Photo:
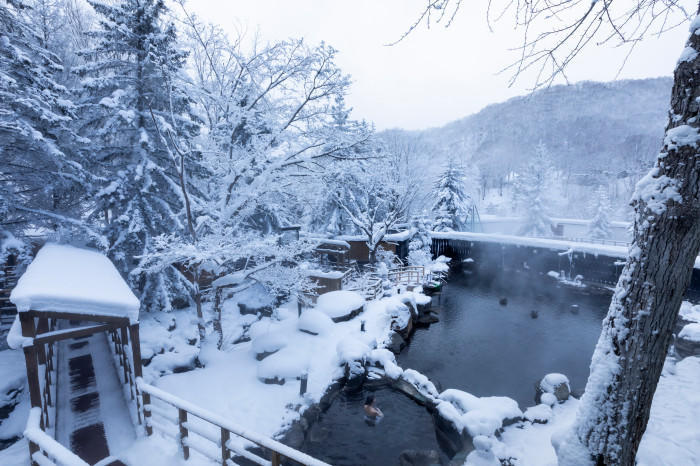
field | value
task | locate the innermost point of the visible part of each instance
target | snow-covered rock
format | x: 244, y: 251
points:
x: 314, y: 322
x: 341, y: 305
x: 688, y: 341
x: 387, y: 361
x: 540, y: 413
x: 554, y: 383
x: 268, y: 343
x: 482, y: 454
x: 285, y: 364
x: 477, y: 416
x: 352, y: 349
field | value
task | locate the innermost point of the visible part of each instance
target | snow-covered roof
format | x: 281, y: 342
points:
x: 68, y: 279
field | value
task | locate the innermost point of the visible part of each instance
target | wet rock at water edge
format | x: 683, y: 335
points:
x: 554, y: 384
x: 503, y: 301
x: 428, y: 318
x: 687, y: 343
x: 574, y: 309
x: 419, y: 458
x: 396, y: 343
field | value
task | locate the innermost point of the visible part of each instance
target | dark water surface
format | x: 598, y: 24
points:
x: 479, y: 346
x: 343, y: 437
x: 485, y: 348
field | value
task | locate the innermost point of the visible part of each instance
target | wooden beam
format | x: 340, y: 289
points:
x: 136, y: 349
x: 119, y: 321
x: 32, y: 376
x: 67, y: 334
x: 26, y: 320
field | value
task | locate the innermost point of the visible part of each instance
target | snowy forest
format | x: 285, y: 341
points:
x: 195, y: 222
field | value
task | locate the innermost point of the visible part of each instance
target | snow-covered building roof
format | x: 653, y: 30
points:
x: 73, y: 280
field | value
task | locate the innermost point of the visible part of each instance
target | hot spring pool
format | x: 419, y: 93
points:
x: 479, y: 346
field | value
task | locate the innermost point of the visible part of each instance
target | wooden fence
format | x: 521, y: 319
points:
x: 209, y: 434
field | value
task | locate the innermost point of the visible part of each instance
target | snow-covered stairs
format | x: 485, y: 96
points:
x: 92, y: 418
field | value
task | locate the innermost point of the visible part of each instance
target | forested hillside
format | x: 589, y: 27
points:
x: 585, y: 130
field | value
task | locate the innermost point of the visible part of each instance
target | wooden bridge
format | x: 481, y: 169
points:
x: 79, y: 332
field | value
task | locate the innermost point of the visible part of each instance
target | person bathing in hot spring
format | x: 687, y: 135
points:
x: 371, y: 410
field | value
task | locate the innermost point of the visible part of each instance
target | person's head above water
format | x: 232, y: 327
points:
x: 370, y: 400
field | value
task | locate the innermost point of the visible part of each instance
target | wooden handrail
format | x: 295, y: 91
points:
x: 43, y: 447
x: 226, y: 428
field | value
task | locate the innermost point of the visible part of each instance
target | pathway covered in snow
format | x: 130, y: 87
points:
x: 92, y: 417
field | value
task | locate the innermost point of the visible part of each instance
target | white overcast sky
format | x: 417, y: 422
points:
x: 434, y: 76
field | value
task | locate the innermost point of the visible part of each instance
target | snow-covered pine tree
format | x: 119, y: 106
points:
x: 130, y: 80
x: 452, y: 204
x: 528, y: 194
x: 42, y: 175
x: 419, y: 246
x: 599, y: 228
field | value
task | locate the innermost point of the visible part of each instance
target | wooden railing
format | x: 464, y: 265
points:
x: 44, y: 450
x: 209, y: 434
x: 121, y: 350
x: 407, y: 275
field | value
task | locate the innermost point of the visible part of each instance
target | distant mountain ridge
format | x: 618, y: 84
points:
x: 594, y: 133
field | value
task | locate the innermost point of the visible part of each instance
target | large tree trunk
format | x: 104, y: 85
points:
x: 636, y: 333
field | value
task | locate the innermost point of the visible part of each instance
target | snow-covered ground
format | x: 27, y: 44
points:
x: 231, y: 381
x: 672, y: 437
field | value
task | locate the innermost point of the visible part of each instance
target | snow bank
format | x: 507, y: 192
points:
x: 69, y: 279
x: 352, y: 349
x: 314, y: 321
x: 339, y: 304
x: 689, y: 312
x: 288, y: 363
x: 690, y: 332
x: 540, y: 413
x: 387, y: 360
x: 478, y: 416
x: 270, y: 342
x: 672, y: 436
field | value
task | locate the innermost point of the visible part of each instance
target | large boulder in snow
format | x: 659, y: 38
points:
x: 314, y: 322
x: 269, y: 343
x: 555, y: 384
x: 285, y: 364
x: 341, y: 305
x: 688, y: 341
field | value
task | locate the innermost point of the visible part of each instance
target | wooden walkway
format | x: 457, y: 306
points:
x: 92, y: 417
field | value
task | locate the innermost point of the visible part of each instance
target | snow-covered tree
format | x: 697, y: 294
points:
x: 529, y: 193
x: 599, y: 228
x: 43, y: 177
x: 421, y: 242
x: 275, y: 118
x: 452, y: 205
x: 371, y: 199
x: 130, y: 81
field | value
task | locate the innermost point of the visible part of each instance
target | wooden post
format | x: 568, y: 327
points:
x: 182, y: 419
x: 124, y: 339
x: 33, y: 378
x: 275, y: 459
x: 147, y: 412
x: 136, y: 348
x: 42, y: 327
x: 138, y: 371
x: 33, y: 448
x: 225, y: 437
